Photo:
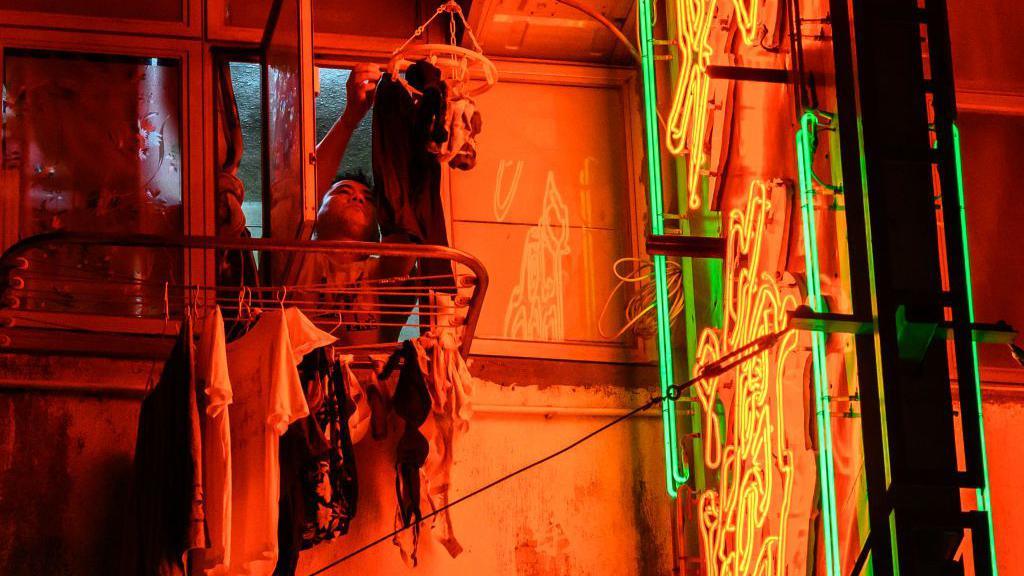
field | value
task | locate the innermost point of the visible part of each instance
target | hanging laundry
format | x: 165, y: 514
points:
x: 235, y: 268
x: 451, y: 389
x: 406, y: 174
x: 268, y: 397
x: 214, y: 383
x: 435, y: 476
x: 165, y: 506
x: 358, y: 409
x: 304, y: 451
x: 319, y: 488
x: 333, y: 495
x: 411, y: 402
x: 463, y: 122
x: 379, y: 398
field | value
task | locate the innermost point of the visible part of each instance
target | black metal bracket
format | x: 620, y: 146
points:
x: 770, y: 75
x: 686, y: 246
x: 803, y: 318
x: 915, y: 336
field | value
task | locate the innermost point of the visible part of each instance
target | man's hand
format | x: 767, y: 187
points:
x: 360, y: 88
x: 362, y: 84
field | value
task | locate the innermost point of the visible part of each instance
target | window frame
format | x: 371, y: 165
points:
x: 218, y: 30
x: 196, y: 129
x: 190, y: 25
x: 624, y: 81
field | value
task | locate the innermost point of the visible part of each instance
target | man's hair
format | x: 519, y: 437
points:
x: 357, y: 175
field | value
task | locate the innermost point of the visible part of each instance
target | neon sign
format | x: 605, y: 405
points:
x: 743, y: 521
x: 687, y: 125
x: 688, y: 117
x: 826, y: 469
x: 676, y: 472
x: 984, y: 497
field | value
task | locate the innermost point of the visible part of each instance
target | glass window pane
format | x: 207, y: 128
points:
x: 92, y: 144
x: 245, y: 79
x: 159, y: 10
x: 330, y: 103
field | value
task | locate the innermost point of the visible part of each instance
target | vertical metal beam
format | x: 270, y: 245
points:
x: 959, y: 268
x: 910, y: 444
x: 883, y: 549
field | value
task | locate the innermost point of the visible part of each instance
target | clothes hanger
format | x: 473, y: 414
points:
x: 454, y: 60
x: 283, y: 295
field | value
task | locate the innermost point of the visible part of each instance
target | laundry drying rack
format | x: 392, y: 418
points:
x: 123, y: 295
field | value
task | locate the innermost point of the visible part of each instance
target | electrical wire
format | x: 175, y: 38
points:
x: 639, y: 306
x: 589, y: 11
x: 674, y: 393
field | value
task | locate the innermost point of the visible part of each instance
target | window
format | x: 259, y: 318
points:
x: 330, y: 102
x: 549, y: 208
x: 92, y: 143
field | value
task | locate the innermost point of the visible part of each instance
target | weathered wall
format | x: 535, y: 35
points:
x: 65, y: 462
x: 1004, y: 424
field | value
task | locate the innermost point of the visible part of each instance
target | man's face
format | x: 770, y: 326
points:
x: 347, y: 213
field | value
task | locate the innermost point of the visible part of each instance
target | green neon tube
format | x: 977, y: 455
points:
x: 676, y: 473
x: 984, y: 498
x: 822, y: 409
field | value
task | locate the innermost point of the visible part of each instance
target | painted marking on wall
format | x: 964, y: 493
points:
x: 505, y: 194
x: 536, y: 308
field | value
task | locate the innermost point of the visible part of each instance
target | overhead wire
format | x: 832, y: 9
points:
x: 675, y: 392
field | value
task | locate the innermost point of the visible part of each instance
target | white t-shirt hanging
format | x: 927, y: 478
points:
x: 213, y: 380
x: 267, y: 397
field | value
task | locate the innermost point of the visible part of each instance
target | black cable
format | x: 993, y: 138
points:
x: 488, y: 486
x: 723, y: 364
x: 862, y: 558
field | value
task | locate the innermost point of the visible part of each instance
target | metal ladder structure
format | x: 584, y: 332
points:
x: 928, y: 500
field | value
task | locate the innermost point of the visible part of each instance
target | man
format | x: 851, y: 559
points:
x: 347, y: 212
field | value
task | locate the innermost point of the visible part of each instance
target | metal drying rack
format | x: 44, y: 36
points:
x: 106, y: 295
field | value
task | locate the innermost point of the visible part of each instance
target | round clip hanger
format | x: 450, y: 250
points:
x: 456, y: 63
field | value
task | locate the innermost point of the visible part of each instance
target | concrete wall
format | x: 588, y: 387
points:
x: 1004, y: 425
x: 65, y: 461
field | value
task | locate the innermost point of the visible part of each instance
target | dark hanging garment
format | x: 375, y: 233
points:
x: 165, y: 507
x: 319, y: 490
x: 411, y: 402
x: 406, y: 174
x: 342, y: 458
x: 302, y: 446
